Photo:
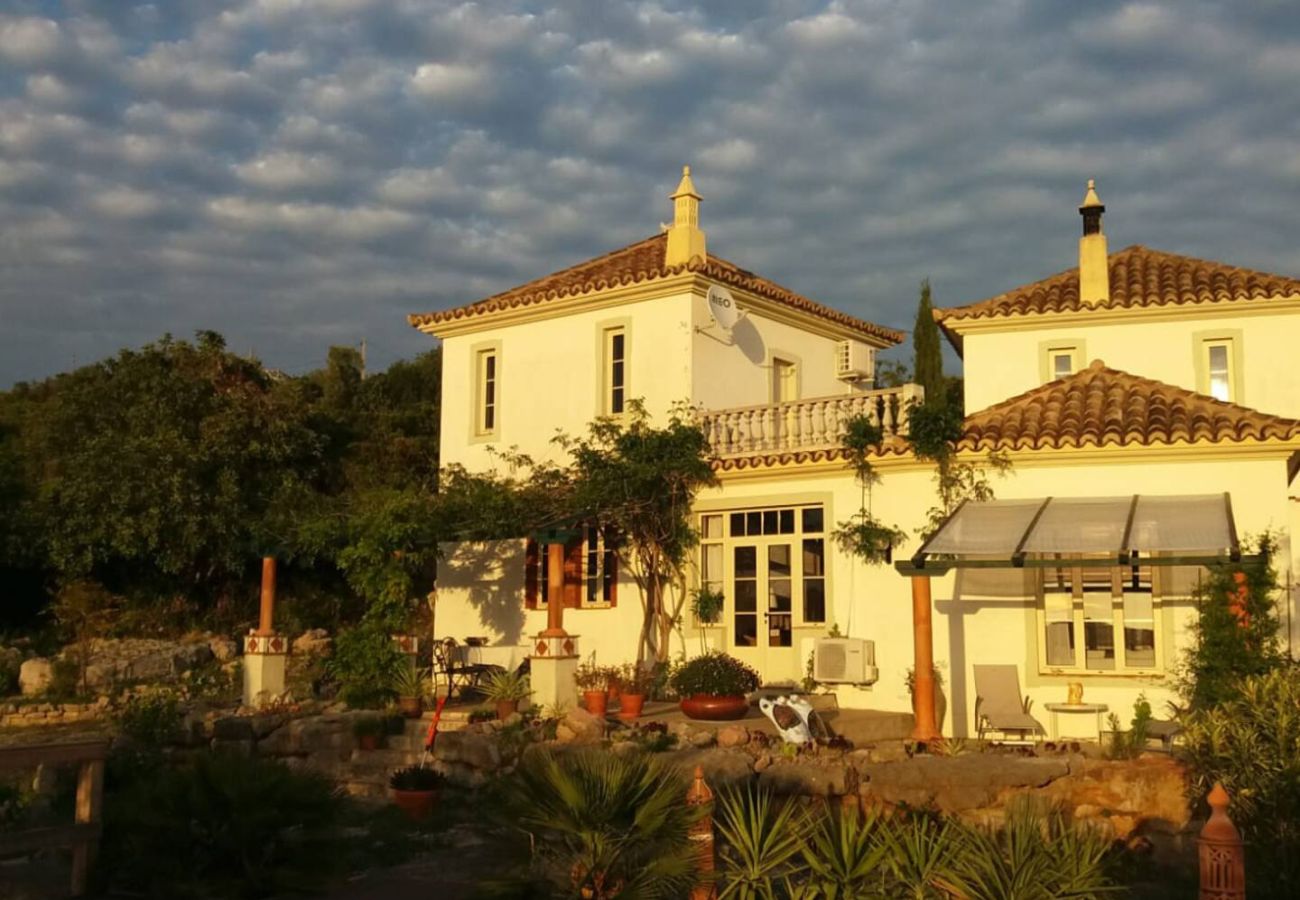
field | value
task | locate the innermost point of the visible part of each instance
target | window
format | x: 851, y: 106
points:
x: 1062, y: 362
x: 489, y: 394
x: 615, y: 392
x: 590, y: 573
x: 599, y: 571
x: 1098, y: 619
x: 1218, y: 370
x: 711, y: 551
x: 785, y: 385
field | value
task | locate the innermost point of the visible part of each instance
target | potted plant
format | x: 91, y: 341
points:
x: 713, y: 686
x: 369, y: 731
x: 613, y: 683
x: 415, y: 790
x: 410, y: 683
x: 506, y: 690
x: 593, y: 681
x: 638, y: 681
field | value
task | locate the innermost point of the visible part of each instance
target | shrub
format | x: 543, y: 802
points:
x: 714, y: 673
x: 151, y: 718
x: 1252, y: 745
x: 1127, y: 745
x: 369, y: 726
x: 365, y: 663
x: 706, y: 605
x: 222, y: 826
x: 761, y: 838
x: 416, y: 778
x: 591, y: 677
x: 65, y: 679
x: 604, y: 826
x: 507, y: 686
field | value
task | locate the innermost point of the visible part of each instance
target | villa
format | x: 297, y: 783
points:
x: 1144, y: 400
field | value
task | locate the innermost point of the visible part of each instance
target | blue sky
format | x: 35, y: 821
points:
x: 298, y: 173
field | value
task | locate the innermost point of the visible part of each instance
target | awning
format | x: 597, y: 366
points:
x: 1192, y: 529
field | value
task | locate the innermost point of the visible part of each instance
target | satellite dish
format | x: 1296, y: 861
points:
x: 723, y: 307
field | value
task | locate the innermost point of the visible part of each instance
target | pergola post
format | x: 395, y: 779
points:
x: 555, y: 652
x: 923, y: 699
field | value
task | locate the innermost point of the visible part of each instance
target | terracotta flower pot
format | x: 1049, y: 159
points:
x: 418, y: 805
x: 411, y: 707
x: 507, y: 708
x: 613, y: 691
x: 368, y: 742
x: 630, y: 706
x: 596, y: 702
x: 713, y: 708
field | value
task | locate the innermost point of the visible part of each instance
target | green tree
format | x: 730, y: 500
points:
x: 927, y: 354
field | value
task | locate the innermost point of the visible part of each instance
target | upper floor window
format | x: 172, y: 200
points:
x: 615, y: 365
x: 1062, y: 361
x: 488, y: 394
x: 1219, y: 376
x: 785, y: 383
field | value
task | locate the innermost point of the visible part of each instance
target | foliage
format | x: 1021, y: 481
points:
x: 863, y: 535
x: 591, y: 677
x: 364, y: 663
x: 934, y: 430
x: 410, y: 681
x: 921, y: 848
x: 223, y: 825
x: 506, y: 685
x: 761, y: 841
x: 603, y: 826
x: 84, y: 610
x: 1127, y: 745
x: 1251, y: 743
x: 1235, y: 635
x: 65, y: 679
x: 416, y: 778
x: 151, y: 717
x: 638, y: 679
x: 714, y: 673
x: 845, y: 857
x: 927, y: 354
x: 707, y: 604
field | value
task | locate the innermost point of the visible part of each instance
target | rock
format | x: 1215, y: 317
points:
x: 733, y: 736
x: 34, y: 676
x: 579, y: 727
x: 623, y: 748
x: 223, y: 649
x: 477, y: 751
x: 314, y: 642
x: 702, y: 738
x: 763, y: 762
x: 805, y: 778
x: 722, y: 768
x: 232, y: 728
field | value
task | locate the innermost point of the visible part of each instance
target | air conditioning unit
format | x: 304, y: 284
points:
x: 845, y: 661
x: 854, y: 361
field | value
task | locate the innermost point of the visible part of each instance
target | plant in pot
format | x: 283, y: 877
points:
x: 415, y: 790
x: 507, y: 690
x: 411, y: 684
x: 638, y: 682
x: 613, y: 683
x: 593, y: 681
x: 713, y: 686
x: 369, y: 731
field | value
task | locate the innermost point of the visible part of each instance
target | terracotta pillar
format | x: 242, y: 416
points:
x: 1221, y: 852
x: 923, y: 699
x: 266, y: 619
x: 554, y: 590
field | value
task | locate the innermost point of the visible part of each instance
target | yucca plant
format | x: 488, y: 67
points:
x: 920, y: 849
x: 761, y: 838
x: 1036, y: 855
x: 604, y: 826
x: 845, y: 857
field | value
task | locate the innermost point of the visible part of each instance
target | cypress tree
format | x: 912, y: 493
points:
x: 927, y: 359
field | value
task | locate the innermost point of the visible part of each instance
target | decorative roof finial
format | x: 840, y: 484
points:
x: 685, y: 238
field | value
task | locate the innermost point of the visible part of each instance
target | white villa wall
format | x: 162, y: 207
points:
x: 1003, y: 364
x: 551, y: 371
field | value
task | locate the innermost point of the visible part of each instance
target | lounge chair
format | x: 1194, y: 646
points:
x: 1000, y: 707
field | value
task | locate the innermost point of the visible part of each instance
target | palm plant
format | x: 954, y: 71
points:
x: 604, y: 826
x: 846, y: 857
x: 920, y: 851
x: 761, y: 842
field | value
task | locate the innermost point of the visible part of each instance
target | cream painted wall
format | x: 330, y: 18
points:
x: 550, y: 376
x: 1002, y: 364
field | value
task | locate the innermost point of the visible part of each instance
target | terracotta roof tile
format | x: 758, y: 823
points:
x: 641, y: 262
x: 1139, y: 277
x: 1100, y: 407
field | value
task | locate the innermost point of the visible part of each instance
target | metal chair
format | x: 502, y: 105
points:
x: 447, y: 664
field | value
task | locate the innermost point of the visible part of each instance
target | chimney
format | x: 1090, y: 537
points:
x: 685, y: 239
x: 1094, y: 268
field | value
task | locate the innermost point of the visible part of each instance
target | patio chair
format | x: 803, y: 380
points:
x: 447, y: 665
x: 999, y: 705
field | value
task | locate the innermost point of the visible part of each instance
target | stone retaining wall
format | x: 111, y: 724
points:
x: 37, y: 715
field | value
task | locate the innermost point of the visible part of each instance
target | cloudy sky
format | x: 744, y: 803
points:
x: 300, y: 173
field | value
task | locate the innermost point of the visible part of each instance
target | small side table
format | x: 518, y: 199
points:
x: 1072, y: 709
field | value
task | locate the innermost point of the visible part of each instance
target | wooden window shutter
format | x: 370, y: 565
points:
x: 530, y: 574
x: 573, y: 583
x: 611, y: 573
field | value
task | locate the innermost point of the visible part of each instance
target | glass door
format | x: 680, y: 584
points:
x: 762, y: 608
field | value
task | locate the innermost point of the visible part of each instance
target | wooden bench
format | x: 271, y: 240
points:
x: 83, y: 835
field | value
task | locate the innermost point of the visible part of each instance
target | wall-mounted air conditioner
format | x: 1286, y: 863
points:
x: 855, y: 361
x: 845, y: 661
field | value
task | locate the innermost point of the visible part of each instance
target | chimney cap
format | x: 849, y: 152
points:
x: 686, y: 187
x: 1090, y: 199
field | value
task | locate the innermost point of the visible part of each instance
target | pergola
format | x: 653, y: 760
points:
x: 1182, y: 530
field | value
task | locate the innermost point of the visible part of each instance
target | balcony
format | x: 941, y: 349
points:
x: 815, y: 424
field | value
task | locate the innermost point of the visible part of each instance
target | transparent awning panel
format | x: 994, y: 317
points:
x: 1196, y: 523
x: 1080, y: 525
x: 994, y: 527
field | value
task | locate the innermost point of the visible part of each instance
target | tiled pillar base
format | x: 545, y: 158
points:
x: 552, y: 666
x: 265, y: 656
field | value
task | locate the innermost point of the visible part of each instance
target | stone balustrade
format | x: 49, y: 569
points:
x: 814, y: 424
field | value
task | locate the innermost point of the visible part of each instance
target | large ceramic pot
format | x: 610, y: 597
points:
x: 507, y: 708
x: 418, y: 805
x: 713, y: 708
x: 630, y: 706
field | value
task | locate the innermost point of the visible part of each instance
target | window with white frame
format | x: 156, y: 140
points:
x: 590, y: 572
x: 1221, y: 382
x: 615, y: 365
x: 1097, y: 619
x: 1062, y: 361
x: 599, y: 569
x: 488, y: 393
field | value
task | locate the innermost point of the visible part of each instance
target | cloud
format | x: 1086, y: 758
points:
x: 294, y: 172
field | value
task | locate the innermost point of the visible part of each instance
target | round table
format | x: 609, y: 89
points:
x: 1093, y: 709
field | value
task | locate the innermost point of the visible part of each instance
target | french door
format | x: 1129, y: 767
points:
x: 761, y: 607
